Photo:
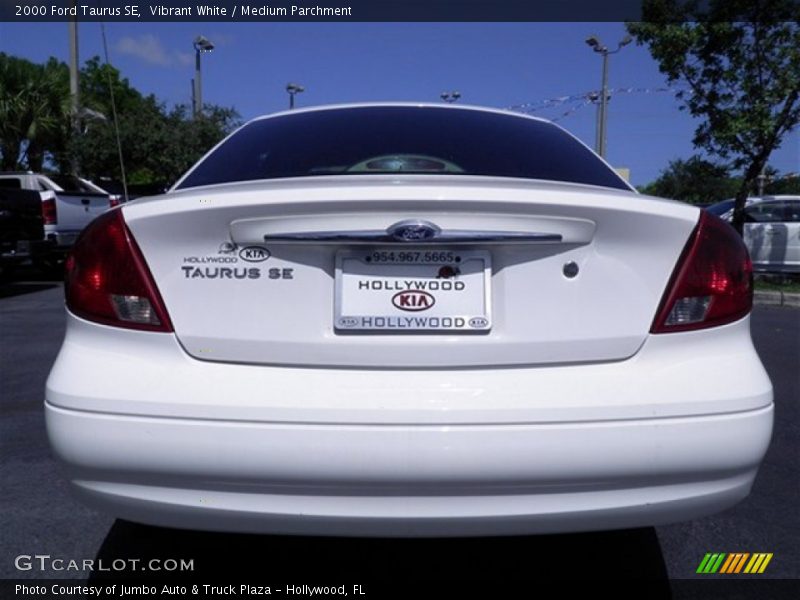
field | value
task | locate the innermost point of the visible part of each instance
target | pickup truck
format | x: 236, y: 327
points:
x: 65, y: 211
x: 21, y: 229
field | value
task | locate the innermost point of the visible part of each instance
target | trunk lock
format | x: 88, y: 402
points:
x: 571, y: 269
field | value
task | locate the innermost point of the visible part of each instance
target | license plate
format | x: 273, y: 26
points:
x: 413, y: 290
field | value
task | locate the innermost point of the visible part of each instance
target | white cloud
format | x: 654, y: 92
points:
x: 184, y: 58
x: 150, y: 49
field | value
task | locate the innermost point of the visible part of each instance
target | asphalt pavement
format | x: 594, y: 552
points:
x: 40, y: 517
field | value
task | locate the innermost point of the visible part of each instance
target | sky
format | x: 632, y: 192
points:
x: 491, y: 64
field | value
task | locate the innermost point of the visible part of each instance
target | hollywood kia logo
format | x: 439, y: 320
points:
x: 254, y: 254
x: 413, y: 300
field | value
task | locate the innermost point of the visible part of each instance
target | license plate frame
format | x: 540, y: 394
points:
x: 388, y: 265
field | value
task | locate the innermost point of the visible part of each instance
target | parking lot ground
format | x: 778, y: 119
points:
x: 40, y: 517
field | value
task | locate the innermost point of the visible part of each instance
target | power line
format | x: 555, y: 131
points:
x: 578, y: 101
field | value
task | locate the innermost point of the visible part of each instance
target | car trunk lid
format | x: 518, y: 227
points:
x: 255, y: 273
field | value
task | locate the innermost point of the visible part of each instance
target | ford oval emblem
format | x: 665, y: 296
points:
x: 413, y: 230
x: 413, y: 300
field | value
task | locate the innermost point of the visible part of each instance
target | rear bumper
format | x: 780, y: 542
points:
x: 62, y: 240
x: 409, y: 480
x: 21, y: 250
x: 152, y: 435
x: 785, y: 267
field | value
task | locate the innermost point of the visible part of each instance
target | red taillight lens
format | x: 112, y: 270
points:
x: 712, y: 283
x: 114, y: 201
x: 108, y: 280
x: 49, y: 213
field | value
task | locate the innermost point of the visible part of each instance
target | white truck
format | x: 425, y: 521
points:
x: 66, y: 208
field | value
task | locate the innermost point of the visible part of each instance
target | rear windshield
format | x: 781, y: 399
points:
x: 720, y: 208
x: 401, y: 139
x: 68, y: 183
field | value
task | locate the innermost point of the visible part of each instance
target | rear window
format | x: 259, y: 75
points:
x: 720, y: 208
x: 786, y: 211
x: 69, y: 183
x: 401, y: 139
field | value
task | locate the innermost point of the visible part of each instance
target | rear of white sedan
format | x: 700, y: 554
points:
x: 408, y: 320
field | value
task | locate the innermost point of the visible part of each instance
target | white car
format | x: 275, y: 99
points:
x: 771, y: 231
x: 408, y: 320
x: 772, y: 234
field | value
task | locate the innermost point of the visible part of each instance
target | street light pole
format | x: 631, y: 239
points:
x: 198, y: 85
x: 292, y: 89
x: 601, y: 135
x: 602, y: 118
x: 74, y: 85
x: 201, y: 45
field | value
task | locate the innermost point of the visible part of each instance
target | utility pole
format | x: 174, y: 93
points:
x: 603, y: 109
x: 197, y: 82
x: 602, y: 115
x: 201, y: 45
x: 292, y: 89
x: 74, y: 87
x: 762, y: 181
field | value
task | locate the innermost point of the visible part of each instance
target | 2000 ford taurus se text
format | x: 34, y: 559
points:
x: 408, y: 320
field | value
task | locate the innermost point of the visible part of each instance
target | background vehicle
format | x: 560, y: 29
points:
x: 21, y: 228
x: 72, y: 184
x: 772, y: 234
x: 721, y: 207
x: 771, y: 231
x: 724, y: 208
x: 65, y: 212
x: 408, y: 320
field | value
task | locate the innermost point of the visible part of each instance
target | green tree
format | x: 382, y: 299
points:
x: 158, y: 144
x: 784, y: 186
x: 184, y: 140
x: 34, y: 104
x: 139, y: 118
x: 695, y: 180
x: 741, y: 62
x: 781, y: 184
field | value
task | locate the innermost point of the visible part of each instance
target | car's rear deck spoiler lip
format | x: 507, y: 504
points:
x: 372, y: 237
x: 396, y: 226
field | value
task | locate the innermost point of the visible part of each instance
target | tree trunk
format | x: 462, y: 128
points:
x: 739, y: 205
x: 750, y: 177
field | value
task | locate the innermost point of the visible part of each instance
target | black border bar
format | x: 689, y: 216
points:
x: 311, y: 10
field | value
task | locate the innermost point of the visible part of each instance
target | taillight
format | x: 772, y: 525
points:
x: 49, y: 213
x: 107, y: 279
x: 114, y: 200
x: 712, y: 283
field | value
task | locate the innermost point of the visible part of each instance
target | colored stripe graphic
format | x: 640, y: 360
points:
x: 703, y: 564
x: 732, y: 558
x: 717, y: 564
x: 758, y: 563
x: 741, y: 562
x: 711, y: 563
x: 733, y: 563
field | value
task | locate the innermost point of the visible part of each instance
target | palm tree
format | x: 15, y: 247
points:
x: 34, y: 111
